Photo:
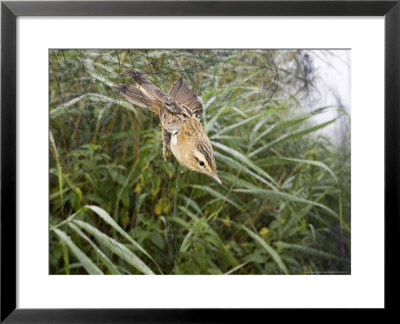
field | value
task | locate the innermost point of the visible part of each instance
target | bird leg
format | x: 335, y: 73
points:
x: 166, y: 139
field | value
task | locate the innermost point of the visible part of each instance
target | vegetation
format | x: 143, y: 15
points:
x: 117, y: 208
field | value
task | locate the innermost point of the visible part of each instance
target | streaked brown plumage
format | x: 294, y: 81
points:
x: 182, y: 131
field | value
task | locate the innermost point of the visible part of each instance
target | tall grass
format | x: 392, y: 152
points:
x: 117, y: 208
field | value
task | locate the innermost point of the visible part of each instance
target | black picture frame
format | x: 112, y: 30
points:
x: 9, y: 13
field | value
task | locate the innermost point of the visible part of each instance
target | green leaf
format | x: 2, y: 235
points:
x: 275, y: 256
x: 307, y: 250
x: 237, y: 268
x: 65, y: 256
x: 285, y: 197
x: 197, y: 223
x: 208, y: 125
x: 59, y: 168
x: 290, y: 136
x: 246, y: 161
x: 89, y: 266
x: 245, y: 121
x: 217, y: 195
x: 232, y: 163
x: 108, y: 219
x: 310, y: 162
x: 68, y: 107
x: 193, y: 204
x: 106, y: 261
x: 116, y: 247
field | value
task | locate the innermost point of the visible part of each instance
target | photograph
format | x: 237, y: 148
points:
x: 199, y: 161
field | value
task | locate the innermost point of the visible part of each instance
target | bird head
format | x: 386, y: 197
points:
x: 202, y: 160
x: 194, y: 151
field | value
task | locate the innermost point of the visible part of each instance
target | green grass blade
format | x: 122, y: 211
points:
x: 108, y: 219
x: 106, y: 261
x: 208, y: 125
x: 310, y: 162
x: 186, y: 242
x: 290, y: 136
x: 307, y: 250
x: 59, y: 169
x: 244, y: 122
x: 95, y: 97
x: 283, y: 125
x: 89, y: 266
x: 116, y: 247
x: 218, y: 241
x: 286, y: 124
x: 245, y: 160
x: 65, y: 253
x: 237, y: 268
x: 286, y: 197
x: 275, y: 256
x: 217, y: 195
x: 232, y: 163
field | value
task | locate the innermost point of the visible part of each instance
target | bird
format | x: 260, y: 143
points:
x: 179, y: 111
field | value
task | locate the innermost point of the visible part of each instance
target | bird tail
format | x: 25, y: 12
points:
x: 139, y: 98
x: 146, y: 86
x: 145, y: 95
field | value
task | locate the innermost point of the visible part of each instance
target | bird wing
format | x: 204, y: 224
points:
x: 171, y: 122
x: 148, y: 88
x: 186, y: 97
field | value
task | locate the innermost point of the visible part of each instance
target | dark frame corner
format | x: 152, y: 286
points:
x: 9, y: 13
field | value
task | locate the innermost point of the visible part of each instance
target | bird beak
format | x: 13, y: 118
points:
x: 214, y: 175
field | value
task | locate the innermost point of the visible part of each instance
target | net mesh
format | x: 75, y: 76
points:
x: 107, y: 152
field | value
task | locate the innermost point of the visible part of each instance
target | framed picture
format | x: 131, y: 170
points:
x: 223, y: 148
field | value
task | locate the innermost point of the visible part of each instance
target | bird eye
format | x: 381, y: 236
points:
x: 201, y: 163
